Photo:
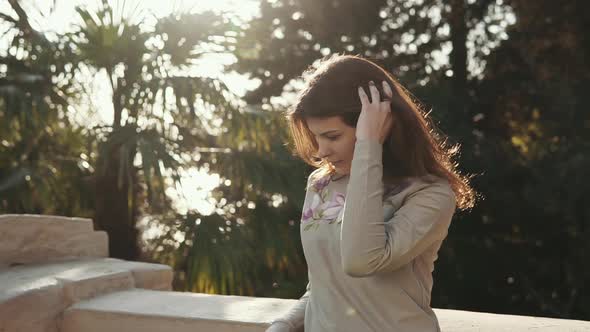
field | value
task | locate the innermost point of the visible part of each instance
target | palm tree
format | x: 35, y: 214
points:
x: 44, y: 158
x: 166, y: 120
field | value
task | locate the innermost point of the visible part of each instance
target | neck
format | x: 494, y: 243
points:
x: 337, y: 176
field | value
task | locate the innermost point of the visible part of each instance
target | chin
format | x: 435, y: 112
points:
x: 342, y: 171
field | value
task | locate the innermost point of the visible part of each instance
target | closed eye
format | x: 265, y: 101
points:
x: 333, y: 138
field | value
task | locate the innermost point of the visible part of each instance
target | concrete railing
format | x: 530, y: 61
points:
x: 55, y: 275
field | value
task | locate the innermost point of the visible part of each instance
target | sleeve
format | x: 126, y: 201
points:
x: 370, y: 244
x: 295, y: 317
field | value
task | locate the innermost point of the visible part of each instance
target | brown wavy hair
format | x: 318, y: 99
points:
x: 414, y: 148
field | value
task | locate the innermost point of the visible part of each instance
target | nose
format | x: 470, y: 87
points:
x: 324, y: 150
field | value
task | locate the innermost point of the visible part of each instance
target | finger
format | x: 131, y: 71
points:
x: 389, y: 121
x: 388, y: 126
x: 374, y: 92
x: 363, y: 96
x: 385, y: 130
x: 385, y: 106
x: 387, y: 89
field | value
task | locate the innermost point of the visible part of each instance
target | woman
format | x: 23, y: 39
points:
x: 377, y: 208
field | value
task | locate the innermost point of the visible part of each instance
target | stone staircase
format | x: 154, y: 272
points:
x: 55, y: 275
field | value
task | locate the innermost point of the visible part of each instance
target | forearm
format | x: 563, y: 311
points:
x: 363, y: 234
x: 369, y: 243
x: 294, y: 319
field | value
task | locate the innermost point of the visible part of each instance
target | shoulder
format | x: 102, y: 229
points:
x: 315, y: 174
x: 435, y: 191
x: 318, y: 177
x: 429, y: 190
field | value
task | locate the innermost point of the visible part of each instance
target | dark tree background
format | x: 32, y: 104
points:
x: 505, y: 79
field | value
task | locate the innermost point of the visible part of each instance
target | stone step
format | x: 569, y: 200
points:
x: 26, y: 239
x: 32, y: 297
x: 154, y: 311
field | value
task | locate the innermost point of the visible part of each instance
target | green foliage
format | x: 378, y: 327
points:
x: 514, y: 100
x: 166, y: 120
x: 44, y: 158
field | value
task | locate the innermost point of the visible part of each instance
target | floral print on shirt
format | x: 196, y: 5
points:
x: 324, y: 206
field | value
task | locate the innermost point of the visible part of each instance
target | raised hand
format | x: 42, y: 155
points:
x: 376, y: 119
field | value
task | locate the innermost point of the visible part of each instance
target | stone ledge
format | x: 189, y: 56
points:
x: 150, y: 311
x: 33, y: 297
x: 467, y: 321
x: 26, y: 239
x: 74, y: 224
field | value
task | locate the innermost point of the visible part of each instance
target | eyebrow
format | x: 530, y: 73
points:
x: 328, y: 132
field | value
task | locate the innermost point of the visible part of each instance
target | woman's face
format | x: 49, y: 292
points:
x: 335, y: 141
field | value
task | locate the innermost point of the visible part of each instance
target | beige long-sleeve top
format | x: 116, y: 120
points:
x: 370, y: 250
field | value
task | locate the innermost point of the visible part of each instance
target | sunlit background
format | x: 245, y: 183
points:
x: 197, y: 164
x: 60, y: 16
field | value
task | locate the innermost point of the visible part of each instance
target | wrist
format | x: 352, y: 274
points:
x: 367, y: 139
x: 368, y: 150
x: 281, y: 325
